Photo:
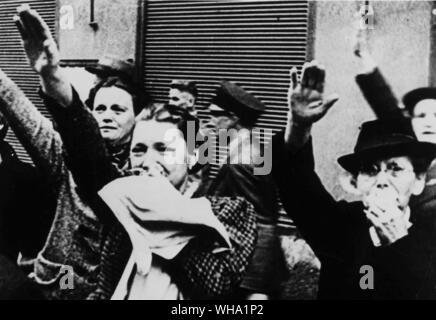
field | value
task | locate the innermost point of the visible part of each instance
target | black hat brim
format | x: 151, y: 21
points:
x: 94, y: 69
x: 424, y: 150
x: 411, y: 98
x: 100, y: 70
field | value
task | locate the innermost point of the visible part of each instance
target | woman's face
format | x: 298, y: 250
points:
x: 424, y: 120
x: 391, y: 179
x: 159, y: 148
x: 114, y: 112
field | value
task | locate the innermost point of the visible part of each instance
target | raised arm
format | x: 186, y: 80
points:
x: 43, y: 55
x: 88, y: 159
x: 372, y: 83
x: 306, y: 104
x: 317, y: 215
x: 34, y: 131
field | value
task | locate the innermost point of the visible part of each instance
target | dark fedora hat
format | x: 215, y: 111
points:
x: 387, y: 137
x: 109, y: 66
x: 231, y: 97
x: 411, y: 98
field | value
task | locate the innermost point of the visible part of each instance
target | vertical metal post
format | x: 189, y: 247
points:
x: 92, y: 21
x: 432, y: 62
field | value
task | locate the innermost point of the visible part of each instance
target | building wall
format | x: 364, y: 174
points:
x: 80, y: 43
x: 115, y: 35
x: 400, y: 43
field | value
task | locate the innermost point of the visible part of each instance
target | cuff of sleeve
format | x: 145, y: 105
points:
x: 370, y: 79
x: 49, y: 101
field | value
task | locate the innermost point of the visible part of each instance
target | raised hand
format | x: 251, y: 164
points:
x: 305, y: 97
x: 38, y: 43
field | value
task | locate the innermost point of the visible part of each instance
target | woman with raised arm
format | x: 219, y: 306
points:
x: 72, y: 248
x: 202, y: 271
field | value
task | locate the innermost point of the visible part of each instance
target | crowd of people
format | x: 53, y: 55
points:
x: 112, y: 209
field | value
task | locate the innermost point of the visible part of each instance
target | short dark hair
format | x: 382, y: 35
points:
x: 186, y: 86
x: 138, y: 97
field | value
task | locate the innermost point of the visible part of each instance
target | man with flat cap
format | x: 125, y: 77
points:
x: 234, y: 112
x: 374, y: 248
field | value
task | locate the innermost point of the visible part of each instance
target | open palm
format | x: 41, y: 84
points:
x: 305, y: 97
x: 38, y: 43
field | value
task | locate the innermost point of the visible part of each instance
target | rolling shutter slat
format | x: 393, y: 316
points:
x: 13, y: 60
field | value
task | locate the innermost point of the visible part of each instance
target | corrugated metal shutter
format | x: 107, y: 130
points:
x: 12, y: 58
x: 253, y: 43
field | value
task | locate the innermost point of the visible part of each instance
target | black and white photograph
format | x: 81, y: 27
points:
x: 240, y: 151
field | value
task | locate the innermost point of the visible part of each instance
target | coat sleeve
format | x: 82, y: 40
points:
x: 379, y: 95
x: 323, y: 222
x: 214, y: 275
x: 34, y: 131
x: 32, y: 207
x: 88, y: 159
x: 239, y: 180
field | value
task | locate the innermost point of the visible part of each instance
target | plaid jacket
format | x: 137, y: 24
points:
x: 198, y: 272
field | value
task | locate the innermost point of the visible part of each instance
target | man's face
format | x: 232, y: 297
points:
x: 158, y: 147
x: 390, y: 179
x: 113, y: 110
x: 181, y: 99
x: 219, y: 119
x: 424, y: 120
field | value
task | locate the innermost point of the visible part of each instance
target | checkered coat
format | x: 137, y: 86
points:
x: 198, y: 272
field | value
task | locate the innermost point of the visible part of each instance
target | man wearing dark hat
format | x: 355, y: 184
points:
x: 233, y: 114
x: 373, y: 248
